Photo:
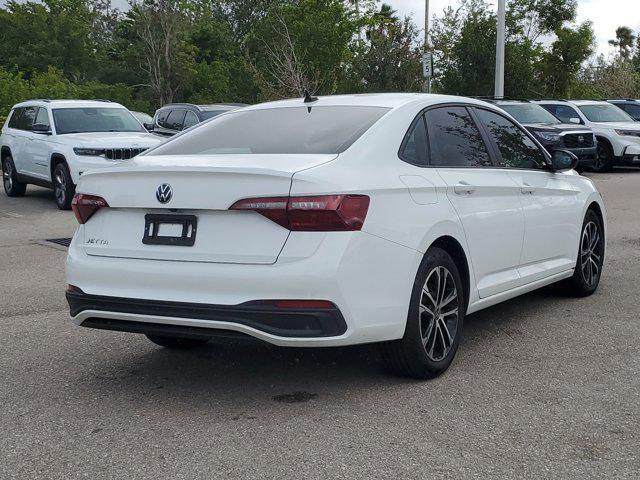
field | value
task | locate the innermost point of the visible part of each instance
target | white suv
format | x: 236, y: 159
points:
x: 52, y: 142
x: 617, y: 133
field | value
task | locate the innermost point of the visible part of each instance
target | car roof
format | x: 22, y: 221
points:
x: 387, y: 100
x: 69, y: 103
x: 204, y: 108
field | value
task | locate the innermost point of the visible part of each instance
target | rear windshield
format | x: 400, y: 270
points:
x: 288, y: 130
x: 86, y: 120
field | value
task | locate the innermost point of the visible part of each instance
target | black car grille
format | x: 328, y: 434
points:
x: 578, y: 140
x: 122, y: 153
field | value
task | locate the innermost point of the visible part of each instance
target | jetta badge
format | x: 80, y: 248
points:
x: 164, y: 193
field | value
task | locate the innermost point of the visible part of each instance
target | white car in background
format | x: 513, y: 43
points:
x: 333, y: 221
x: 617, y: 133
x: 51, y: 143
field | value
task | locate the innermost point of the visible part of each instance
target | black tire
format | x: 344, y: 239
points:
x: 12, y: 187
x: 604, y: 158
x: 581, y: 284
x: 63, y: 187
x: 177, y: 343
x: 410, y: 355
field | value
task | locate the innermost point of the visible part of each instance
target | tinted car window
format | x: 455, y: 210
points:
x: 42, y: 117
x: 284, y: 130
x: 25, y: 118
x: 175, y: 118
x: 563, y: 112
x: 633, y: 110
x: 517, y: 150
x: 190, y: 120
x: 207, y: 114
x: 162, y: 118
x: 414, y: 149
x: 454, y: 139
x: 15, y: 117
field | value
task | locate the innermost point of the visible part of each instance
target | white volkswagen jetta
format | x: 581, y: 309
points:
x: 333, y: 221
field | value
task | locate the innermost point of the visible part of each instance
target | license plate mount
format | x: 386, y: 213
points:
x: 157, y: 225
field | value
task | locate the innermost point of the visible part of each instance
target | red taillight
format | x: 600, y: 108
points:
x: 84, y: 206
x: 318, y: 213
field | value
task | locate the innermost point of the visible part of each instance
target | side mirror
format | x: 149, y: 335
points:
x: 148, y: 126
x: 41, y: 128
x: 575, y: 120
x: 562, y: 160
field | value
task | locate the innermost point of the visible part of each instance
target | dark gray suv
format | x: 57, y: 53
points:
x: 175, y: 117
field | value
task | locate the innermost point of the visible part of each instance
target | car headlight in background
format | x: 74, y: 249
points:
x: 90, y: 152
x: 629, y: 133
x: 549, y: 136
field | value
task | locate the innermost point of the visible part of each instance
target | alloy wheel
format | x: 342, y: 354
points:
x: 590, y: 253
x: 60, y: 186
x: 7, y: 175
x: 438, y: 311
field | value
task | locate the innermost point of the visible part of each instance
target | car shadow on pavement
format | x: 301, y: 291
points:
x: 243, y: 372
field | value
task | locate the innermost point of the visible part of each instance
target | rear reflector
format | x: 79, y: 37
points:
x: 292, y: 304
x: 84, y: 206
x: 318, y: 213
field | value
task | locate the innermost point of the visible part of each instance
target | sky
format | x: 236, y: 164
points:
x: 606, y: 15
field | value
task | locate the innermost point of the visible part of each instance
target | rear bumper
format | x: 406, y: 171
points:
x: 367, y: 278
x: 93, y: 310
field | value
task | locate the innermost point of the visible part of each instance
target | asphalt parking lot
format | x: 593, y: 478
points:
x: 543, y: 386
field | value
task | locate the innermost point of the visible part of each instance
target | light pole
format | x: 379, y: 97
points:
x: 500, y: 39
x: 427, y: 82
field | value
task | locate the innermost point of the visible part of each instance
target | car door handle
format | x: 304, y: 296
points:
x: 463, y: 188
x: 527, y: 189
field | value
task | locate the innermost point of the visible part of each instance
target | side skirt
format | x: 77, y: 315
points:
x: 515, y: 292
x: 22, y: 178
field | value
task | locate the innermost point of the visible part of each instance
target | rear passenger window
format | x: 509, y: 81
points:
x: 190, y: 120
x: 517, y: 150
x: 454, y: 139
x: 414, y: 148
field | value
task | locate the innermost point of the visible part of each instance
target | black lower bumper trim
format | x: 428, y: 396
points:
x: 283, y: 322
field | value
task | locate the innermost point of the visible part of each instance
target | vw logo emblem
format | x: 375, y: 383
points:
x: 164, y: 193
x: 581, y: 138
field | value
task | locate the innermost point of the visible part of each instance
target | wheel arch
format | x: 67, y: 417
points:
x: 4, y: 152
x: 605, y: 141
x: 56, y: 158
x: 454, y: 248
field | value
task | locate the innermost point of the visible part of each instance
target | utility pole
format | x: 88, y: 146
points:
x: 500, y: 39
x: 426, y: 57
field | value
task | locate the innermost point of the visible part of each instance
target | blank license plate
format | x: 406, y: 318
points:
x: 178, y: 230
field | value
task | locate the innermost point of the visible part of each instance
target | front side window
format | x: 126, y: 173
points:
x: 454, y: 139
x: 604, y: 112
x: 517, y: 149
x: 175, y: 119
x: 162, y: 118
x: 87, y: 120
x: 42, y: 117
x: 414, y: 149
x: 284, y: 130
